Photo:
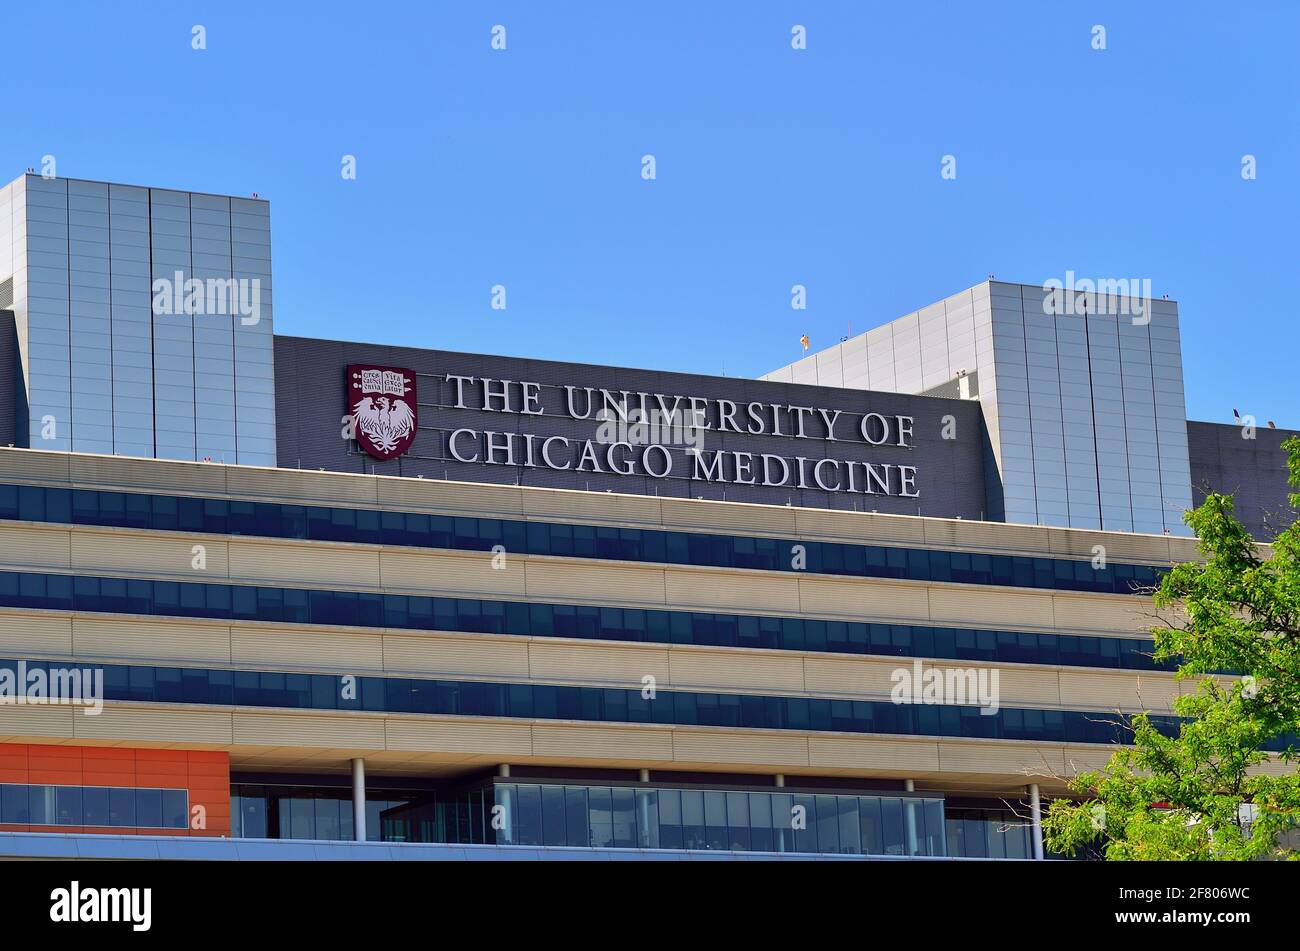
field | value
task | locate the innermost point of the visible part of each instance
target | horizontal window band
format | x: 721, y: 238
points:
x: 100, y: 807
x: 237, y: 602
x: 664, y: 817
x: 217, y: 516
x: 613, y: 705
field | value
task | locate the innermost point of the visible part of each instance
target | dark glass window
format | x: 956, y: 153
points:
x: 175, y: 809
x: 67, y: 806
x: 221, y: 516
x: 601, y: 811
x: 803, y: 823
x: 828, y: 824
x: 671, y: 835
x: 278, y: 689
x: 893, y: 839
x: 553, y: 813
x: 850, y: 841
x: 528, y: 814
x: 693, y: 829
x: 95, y: 807
x: 14, y: 806
x: 738, y: 822
x: 575, y: 817
x: 121, y: 807
x: 624, y: 818
x: 148, y: 811
x: 871, y: 825
x: 41, y: 805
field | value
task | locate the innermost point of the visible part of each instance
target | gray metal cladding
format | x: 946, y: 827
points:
x: 114, y: 365
x: 8, y: 379
x: 1250, y: 464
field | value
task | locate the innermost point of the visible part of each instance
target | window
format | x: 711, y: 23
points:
x: 739, y: 822
x: 624, y: 818
x: 693, y: 829
x: 670, y: 819
x: 828, y: 824
x: 95, y: 807
x: 528, y: 813
x: 14, y: 806
x: 553, y: 816
x: 893, y: 839
x: 803, y: 823
x: 602, y: 817
x: 871, y: 826
x: 275, y: 520
x: 148, y: 810
x: 576, y: 817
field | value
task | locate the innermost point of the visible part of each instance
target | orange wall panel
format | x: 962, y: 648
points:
x: 204, y: 773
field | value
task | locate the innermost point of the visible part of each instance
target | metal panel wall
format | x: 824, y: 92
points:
x: 130, y: 278
x: 250, y: 237
x: 173, y: 333
x: 214, y: 333
x: 1171, y: 415
x: 1083, y: 410
x: 1251, y: 465
x: 90, y: 317
x: 111, y: 367
x: 48, y: 362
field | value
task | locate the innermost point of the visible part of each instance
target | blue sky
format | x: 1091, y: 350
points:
x: 774, y: 166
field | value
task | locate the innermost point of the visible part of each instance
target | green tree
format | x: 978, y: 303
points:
x: 1202, y: 795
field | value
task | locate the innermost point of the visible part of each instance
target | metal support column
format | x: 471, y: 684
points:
x: 359, y: 799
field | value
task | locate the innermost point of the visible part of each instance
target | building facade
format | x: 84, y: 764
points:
x: 487, y: 603
x: 115, y: 363
x: 1081, y: 392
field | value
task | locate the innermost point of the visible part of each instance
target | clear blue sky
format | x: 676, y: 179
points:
x: 821, y: 167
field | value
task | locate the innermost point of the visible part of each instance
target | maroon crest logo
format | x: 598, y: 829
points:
x: 381, y: 401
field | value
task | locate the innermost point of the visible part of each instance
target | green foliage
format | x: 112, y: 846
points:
x: 1185, y: 797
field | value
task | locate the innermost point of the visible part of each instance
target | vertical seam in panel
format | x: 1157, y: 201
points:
x: 1092, y: 420
x: 920, y: 356
x: 1092, y: 412
x: 112, y: 359
x: 893, y: 359
x: 866, y: 363
x: 153, y: 348
x: 67, y: 239
x: 1029, y: 402
x: 1056, y: 349
x: 1060, y: 393
x: 1155, y: 420
x: 194, y: 321
x: 1128, y: 463
x: 234, y: 329
x: 947, y: 344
